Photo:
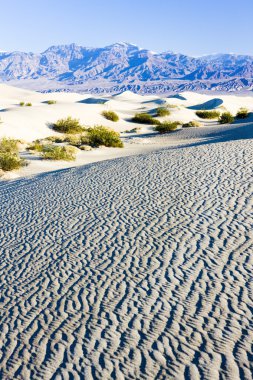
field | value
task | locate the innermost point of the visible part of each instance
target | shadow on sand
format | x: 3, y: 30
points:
x: 209, y: 105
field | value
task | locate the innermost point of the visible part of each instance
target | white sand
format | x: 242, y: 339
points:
x: 135, y: 268
x: 30, y: 123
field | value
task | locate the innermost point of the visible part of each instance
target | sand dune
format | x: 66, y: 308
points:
x: 31, y: 123
x: 136, y: 268
x: 133, y: 268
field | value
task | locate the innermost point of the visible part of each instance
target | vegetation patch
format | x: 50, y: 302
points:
x: 22, y: 104
x: 167, y: 126
x: 28, y: 104
x: 10, y: 161
x: 36, y: 146
x: 243, y: 113
x: 8, y: 145
x: 162, y: 111
x: 226, y: 118
x: 9, y: 157
x: 110, y: 115
x: 191, y: 124
x: 100, y: 135
x: 145, y: 118
x: 51, y: 102
x: 55, y: 139
x: 208, y: 114
x: 134, y: 130
x: 69, y: 126
x: 53, y: 152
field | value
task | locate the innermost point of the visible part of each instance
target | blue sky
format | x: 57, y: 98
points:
x: 193, y: 27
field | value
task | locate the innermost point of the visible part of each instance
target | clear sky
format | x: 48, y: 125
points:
x: 193, y: 27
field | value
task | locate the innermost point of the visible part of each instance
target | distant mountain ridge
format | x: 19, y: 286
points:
x: 124, y: 66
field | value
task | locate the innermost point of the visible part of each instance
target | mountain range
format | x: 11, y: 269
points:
x: 124, y: 66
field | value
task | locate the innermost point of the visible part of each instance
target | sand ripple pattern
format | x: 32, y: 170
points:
x: 137, y: 268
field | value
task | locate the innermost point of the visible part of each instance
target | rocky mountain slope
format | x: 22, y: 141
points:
x: 124, y: 66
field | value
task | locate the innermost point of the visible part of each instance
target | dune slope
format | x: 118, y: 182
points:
x: 136, y: 268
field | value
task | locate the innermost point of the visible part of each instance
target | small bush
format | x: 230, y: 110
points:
x: 55, y: 139
x: 167, y: 126
x: 11, y: 161
x: 110, y: 115
x: 162, y: 111
x: 145, y: 118
x: 73, y: 140
x: 243, y: 113
x: 134, y: 130
x: 51, y: 102
x: 191, y: 124
x: 8, y: 145
x: 22, y: 104
x: 28, y: 104
x: 208, y: 114
x: 100, y: 135
x: 65, y: 153
x: 36, y: 145
x: 69, y: 126
x: 226, y: 118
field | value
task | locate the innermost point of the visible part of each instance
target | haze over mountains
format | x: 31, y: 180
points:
x: 124, y: 66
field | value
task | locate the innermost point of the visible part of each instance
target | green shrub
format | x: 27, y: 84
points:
x: 162, y: 111
x: 110, y: 115
x: 100, y: 135
x: 51, y: 102
x: 191, y: 124
x: 36, y: 146
x: 28, y: 104
x: 55, y: 139
x: 243, y: 113
x: 208, y: 114
x: 10, y: 161
x: 134, y: 130
x: 145, y: 118
x: 65, y: 153
x: 8, y: 145
x: 226, y: 118
x: 69, y: 126
x: 73, y: 140
x: 167, y: 126
x: 22, y: 104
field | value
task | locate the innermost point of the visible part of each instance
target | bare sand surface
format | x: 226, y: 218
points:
x: 133, y: 268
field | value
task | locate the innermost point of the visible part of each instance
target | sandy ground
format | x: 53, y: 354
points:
x: 134, y: 268
x: 30, y: 123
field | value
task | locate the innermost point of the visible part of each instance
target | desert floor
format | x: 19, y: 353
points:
x: 138, y: 267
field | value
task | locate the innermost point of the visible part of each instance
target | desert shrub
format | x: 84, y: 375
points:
x: 145, y: 118
x: 134, y: 130
x: 55, y: 139
x: 36, y: 145
x: 162, y: 111
x: 110, y: 115
x: 73, y: 140
x: 65, y: 153
x: 86, y: 148
x: 191, y: 124
x: 226, y: 118
x: 208, y: 114
x: 8, y: 145
x: 10, y: 161
x: 28, y: 104
x: 100, y: 135
x: 243, y: 113
x: 69, y: 126
x: 51, y: 102
x: 167, y: 126
x: 22, y: 104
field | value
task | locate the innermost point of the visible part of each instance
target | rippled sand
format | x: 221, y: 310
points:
x: 135, y: 268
